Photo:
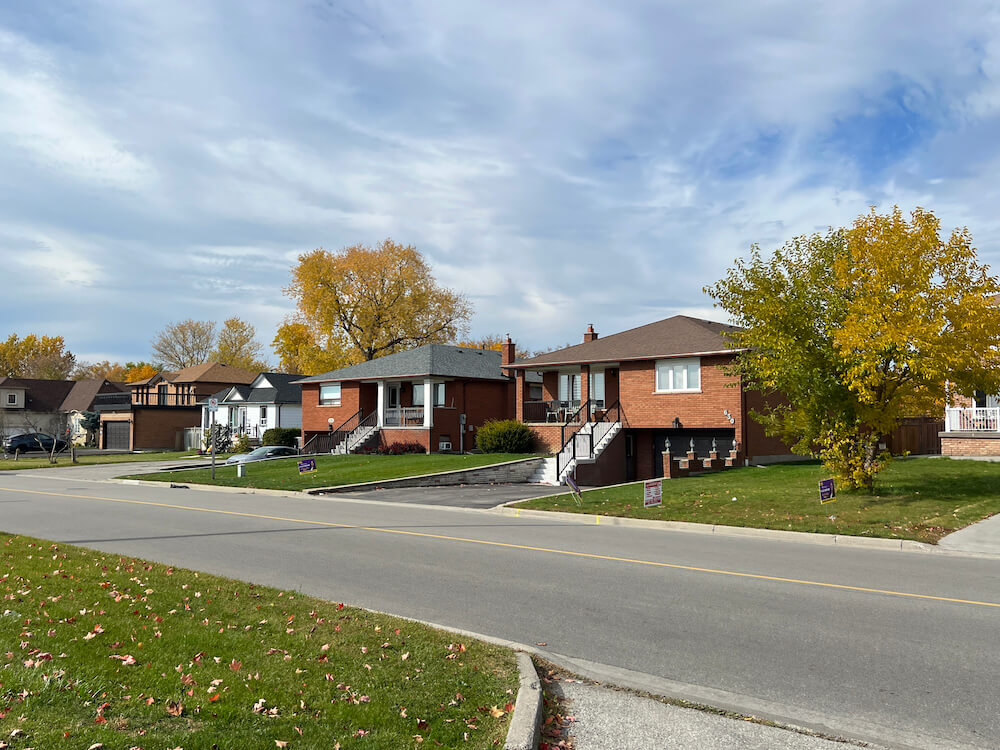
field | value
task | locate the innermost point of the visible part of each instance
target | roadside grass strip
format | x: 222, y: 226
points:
x: 41, y: 460
x: 102, y: 648
x: 922, y: 499
x: 333, y: 471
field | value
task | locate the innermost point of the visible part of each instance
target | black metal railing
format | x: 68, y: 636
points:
x: 581, y: 444
x: 152, y: 398
x: 327, y: 442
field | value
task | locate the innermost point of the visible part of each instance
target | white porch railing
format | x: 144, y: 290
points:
x: 980, y: 419
x: 405, y: 416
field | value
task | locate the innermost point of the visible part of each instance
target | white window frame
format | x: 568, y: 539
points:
x: 439, y: 394
x: 331, y: 400
x: 418, y: 394
x: 569, y: 388
x: 666, y: 370
x: 11, y: 399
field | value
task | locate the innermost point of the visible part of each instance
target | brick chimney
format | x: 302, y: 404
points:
x: 507, y: 352
x: 590, y: 335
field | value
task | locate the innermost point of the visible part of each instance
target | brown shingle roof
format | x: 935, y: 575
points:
x: 81, y: 396
x: 212, y: 372
x: 40, y: 395
x: 207, y: 372
x: 673, y: 337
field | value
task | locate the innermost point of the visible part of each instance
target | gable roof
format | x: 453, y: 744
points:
x: 430, y: 360
x: 672, y: 337
x: 283, y: 391
x: 40, y: 395
x: 81, y: 396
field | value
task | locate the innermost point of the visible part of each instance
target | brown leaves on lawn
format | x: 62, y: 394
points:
x: 174, y: 708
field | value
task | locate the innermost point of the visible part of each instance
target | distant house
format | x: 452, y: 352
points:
x: 270, y: 401
x: 972, y: 426
x: 163, y: 408
x: 434, y: 395
x: 53, y: 407
x: 610, y: 407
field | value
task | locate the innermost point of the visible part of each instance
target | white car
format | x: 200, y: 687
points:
x: 259, y: 454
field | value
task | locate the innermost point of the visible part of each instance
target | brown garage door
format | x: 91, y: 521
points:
x: 116, y: 435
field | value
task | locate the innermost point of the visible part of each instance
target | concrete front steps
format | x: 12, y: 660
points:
x: 356, y: 440
x: 603, y: 433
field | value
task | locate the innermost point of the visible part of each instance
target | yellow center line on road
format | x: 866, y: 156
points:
x: 509, y: 545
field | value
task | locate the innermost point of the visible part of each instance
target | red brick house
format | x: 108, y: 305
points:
x: 434, y: 395
x: 611, y: 406
x: 160, y: 409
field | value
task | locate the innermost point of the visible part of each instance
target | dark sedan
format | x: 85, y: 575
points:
x: 32, y: 441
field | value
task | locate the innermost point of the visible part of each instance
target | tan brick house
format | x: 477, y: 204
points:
x: 611, y: 406
x: 161, y: 408
x: 434, y: 395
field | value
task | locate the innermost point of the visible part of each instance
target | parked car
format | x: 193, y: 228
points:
x: 259, y: 454
x: 32, y: 441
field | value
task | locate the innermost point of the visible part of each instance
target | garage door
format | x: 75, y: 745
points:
x: 116, y: 435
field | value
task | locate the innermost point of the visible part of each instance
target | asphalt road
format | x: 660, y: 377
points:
x: 895, y: 647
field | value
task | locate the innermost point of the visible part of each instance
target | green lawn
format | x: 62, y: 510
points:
x: 915, y: 498
x: 333, y: 471
x: 131, y: 654
x: 41, y: 460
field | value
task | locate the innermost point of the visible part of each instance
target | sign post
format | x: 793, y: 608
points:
x: 827, y: 492
x: 213, y: 406
x: 652, y: 494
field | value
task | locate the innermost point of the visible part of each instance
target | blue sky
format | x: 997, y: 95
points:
x: 560, y: 163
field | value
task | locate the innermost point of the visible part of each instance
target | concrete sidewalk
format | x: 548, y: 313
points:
x: 603, y: 718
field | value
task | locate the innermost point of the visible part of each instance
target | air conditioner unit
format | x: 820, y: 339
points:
x: 444, y: 445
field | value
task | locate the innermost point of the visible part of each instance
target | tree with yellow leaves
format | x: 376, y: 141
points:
x: 363, y: 302
x: 860, y: 327
x: 43, y: 357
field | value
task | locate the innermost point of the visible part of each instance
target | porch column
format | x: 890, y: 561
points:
x: 428, y: 403
x: 380, y: 403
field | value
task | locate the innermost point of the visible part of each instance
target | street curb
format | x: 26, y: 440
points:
x: 525, y: 720
x: 904, y: 545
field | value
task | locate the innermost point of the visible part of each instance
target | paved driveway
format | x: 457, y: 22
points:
x: 101, y: 472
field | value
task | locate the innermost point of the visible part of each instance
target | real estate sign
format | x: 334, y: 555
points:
x: 652, y: 493
x: 307, y: 466
x: 827, y: 492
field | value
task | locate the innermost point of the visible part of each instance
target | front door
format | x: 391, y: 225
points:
x: 393, y: 396
x: 629, y: 457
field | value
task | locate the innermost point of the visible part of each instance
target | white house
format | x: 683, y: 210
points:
x: 270, y: 401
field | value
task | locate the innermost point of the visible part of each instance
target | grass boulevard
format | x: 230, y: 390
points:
x: 131, y: 654
x: 41, y: 460
x: 915, y: 498
x: 333, y: 471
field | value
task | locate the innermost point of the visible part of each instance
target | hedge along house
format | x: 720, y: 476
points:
x: 434, y: 395
x: 272, y: 400
x: 610, y: 407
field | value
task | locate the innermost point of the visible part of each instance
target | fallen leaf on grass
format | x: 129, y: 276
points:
x: 174, y: 708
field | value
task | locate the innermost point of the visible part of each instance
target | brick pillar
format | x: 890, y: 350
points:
x: 519, y: 396
x: 585, y: 387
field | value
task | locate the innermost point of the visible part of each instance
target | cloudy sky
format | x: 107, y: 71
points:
x: 561, y: 163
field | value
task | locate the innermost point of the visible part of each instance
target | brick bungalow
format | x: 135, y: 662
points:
x: 434, y: 395
x: 164, y: 406
x: 611, y: 406
x: 52, y: 407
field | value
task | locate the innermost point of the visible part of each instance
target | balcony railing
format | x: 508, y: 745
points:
x: 164, y: 399
x: 549, y: 411
x: 976, y: 419
x: 404, y: 416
